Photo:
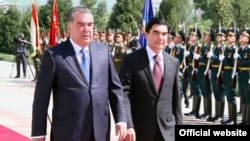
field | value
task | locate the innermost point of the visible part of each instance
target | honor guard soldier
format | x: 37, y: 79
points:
x: 102, y: 37
x: 243, y: 60
x: 96, y: 36
x: 37, y: 62
x: 216, y: 71
x: 44, y: 42
x: 21, y: 53
x: 228, y: 64
x: 62, y: 37
x: 203, y: 72
x: 119, y: 51
x: 128, y: 38
x: 170, y: 44
x: 111, y: 39
x: 133, y: 45
x: 194, y: 46
x: 177, y: 50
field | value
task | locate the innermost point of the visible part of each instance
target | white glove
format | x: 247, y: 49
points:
x: 186, y: 53
x: 249, y: 81
x: 209, y: 54
x: 171, y: 45
x: 196, y: 56
x: 221, y: 57
x: 236, y: 56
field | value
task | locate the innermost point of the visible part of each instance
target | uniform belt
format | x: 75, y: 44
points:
x: 117, y: 60
x: 244, y: 68
x: 215, y: 66
x: 202, y: 64
x: 227, y: 67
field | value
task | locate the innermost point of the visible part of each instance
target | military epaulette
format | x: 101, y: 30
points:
x: 248, y: 46
x: 235, y: 46
x: 199, y: 45
x: 213, y: 46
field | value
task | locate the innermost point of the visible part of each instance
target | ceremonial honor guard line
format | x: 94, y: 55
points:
x: 16, y: 97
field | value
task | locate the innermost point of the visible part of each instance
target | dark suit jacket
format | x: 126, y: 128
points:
x: 150, y: 110
x: 77, y: 106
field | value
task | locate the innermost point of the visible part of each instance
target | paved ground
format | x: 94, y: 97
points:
x: 16, y: 96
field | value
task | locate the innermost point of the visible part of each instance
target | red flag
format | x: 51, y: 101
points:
x: 54, y: 24
x: 34, y: 30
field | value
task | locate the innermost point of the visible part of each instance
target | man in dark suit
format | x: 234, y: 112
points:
x: 153, y: 109
x: 81, y: 102
x: 21, y: 53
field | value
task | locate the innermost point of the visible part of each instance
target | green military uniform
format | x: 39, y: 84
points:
x: 228, y: 63
x: 218, y: 88
x: 119, y: 51
x: 178, y: 52
x: 243, y: 77
x: 204, y: 82
x: 194, y: 86
x: 37, y: 62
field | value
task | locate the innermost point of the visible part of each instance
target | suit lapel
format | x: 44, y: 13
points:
x: 94, y: 53
x: 145, y: 63
x: 71, y: 59
x: 167, y: 70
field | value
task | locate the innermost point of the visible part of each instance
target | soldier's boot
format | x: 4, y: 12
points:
x: 209, y: 109
x: 248, y: 115
x: 216, y: 110
x: 233, y: 120
x: 192, y: 113
x: 240, y: 111
x: 244, y: 114
x: 229, y: 114
x: 220, y: 112
x: 186, y: 100
x: 234, y: 114
x: 205, y: 114
x: 197, y: 107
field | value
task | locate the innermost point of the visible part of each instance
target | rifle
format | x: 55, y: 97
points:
x: 235, y: 70
x: 206, y: 77
x: 186, y: 63
x: 195, y: 63
x: 219, y: 74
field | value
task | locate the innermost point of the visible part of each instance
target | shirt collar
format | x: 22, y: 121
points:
x: 151, y: 53
x: 78, y: 48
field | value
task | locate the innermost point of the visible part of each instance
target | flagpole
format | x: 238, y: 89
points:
x: 147, y: 14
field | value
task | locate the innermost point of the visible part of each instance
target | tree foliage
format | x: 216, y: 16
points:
x: 223, y: 14
x: 101, y: 15
x: 177, y: 11
x: 241, y: 13
x: 44, y: 14
x: 9, y: 27
x: 126, y: 15
x: 88, y: 3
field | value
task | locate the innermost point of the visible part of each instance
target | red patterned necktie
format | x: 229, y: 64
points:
x: 157, y: 72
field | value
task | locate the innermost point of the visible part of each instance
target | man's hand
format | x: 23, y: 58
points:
x: 130, y: 135
x: 236, y: 56
x: 196, y: 56
x: 186, y: 53
x: 209, y: 54
x: 221, y: 57
x: 121, y: 131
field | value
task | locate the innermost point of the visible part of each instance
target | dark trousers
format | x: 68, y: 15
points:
x: 21, y: 58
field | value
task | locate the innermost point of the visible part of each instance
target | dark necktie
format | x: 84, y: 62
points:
x: 85, y: 65
x: 157, y: 72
